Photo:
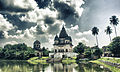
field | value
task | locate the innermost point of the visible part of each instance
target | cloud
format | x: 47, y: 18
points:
x: 43, y: 3
x: 17, y: 5
x: 15, y: 21
x: 84, y: 33
x: 1, y: 35
x: 66, y: 12
x: 4, y: 24
x: 83, y: 40
x: 11, y: 42
x: 48, y: 20
x: 69, y: 10
x: 76, y: 27
x: 37, y: 15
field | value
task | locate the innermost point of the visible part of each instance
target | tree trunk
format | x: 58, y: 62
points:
x: 96, y: 40
x: 115, y: 30
x: 110, y: 37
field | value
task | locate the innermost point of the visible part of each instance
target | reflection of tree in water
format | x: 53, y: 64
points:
x: 21, y: 66
x: 60, y: 67
x: 90, y: 67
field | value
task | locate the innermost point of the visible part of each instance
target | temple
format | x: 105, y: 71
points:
x: 62, y: 45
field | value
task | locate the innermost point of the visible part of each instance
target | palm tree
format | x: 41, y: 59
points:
x: 108, y: 31
x: 114, y: 21
x: 95, y: 31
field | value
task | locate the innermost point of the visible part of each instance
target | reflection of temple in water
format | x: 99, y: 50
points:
x: 63, y: 67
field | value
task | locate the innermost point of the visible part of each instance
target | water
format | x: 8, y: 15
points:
x: 23, y: 66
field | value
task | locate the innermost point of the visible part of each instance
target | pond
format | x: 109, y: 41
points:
x: 23, y: 66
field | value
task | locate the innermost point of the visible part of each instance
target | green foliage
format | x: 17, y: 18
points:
x: 87, y: 52
x: 17, y: 51
x: 95, y: 31
x: 108, y: 30
x: 45, y: 51
x: 96, y: 51
x: 79, y: 48
x: 115, y: 46
x: 114, y: 20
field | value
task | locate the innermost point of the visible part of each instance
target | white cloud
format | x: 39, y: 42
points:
x: 38, y: 15
x: 28, y: 33
x: 84, y: 33
x: 11, y: 42
x: 83, y: 40
x: 4, y: 24
x: 76, y: 27
x: 25, y: 4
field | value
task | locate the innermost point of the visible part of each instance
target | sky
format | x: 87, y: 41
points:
x: 24, y: 21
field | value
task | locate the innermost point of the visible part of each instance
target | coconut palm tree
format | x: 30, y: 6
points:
x: 114, y: 21
x: 108, y: 31
x: 95, y: 31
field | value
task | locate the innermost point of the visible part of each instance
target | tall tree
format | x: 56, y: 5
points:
x: 108, y: 31
x: 79, y: 48
x: 114, y: 21
x: 95, y: 31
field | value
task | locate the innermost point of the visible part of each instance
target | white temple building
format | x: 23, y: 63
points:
x: 63, y: 46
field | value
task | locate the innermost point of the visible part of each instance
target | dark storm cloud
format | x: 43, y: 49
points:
x: 15, y: 20
x: 2, y: 35
x: 66, y: 12
x: 10, y: 7
x: 43, y: 3
x: 48, y: 20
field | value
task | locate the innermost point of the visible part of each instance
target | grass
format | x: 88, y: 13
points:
x: 113, y: 60
x: 36, y: 60
x: 112, y: 68
x: 69, y: 60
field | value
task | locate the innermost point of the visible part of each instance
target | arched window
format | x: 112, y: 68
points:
x: 66, y: 50
x: 55, y: 50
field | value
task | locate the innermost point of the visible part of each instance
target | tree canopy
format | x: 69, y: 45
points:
x: 115, y: 46
x: 17, y: 51
x: 79, y: 48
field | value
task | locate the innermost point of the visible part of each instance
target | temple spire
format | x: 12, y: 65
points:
x: 63, y: 33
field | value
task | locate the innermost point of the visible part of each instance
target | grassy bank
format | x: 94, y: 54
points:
x: 112, y: 68
x: 36, y: 60
x: 69, y: 60
x: 113, y: 60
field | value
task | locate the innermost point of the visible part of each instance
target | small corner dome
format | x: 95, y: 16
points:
x: 36, y: 42
x: 56, y: 38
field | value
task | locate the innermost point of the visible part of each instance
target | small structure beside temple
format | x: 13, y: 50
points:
x: 37, y: 47
x: 63, y: 46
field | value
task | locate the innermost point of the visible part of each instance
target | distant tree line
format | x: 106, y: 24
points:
x: 19, y: 52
